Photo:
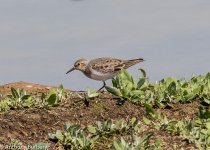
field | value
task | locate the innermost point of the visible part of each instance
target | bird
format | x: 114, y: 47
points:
x: 103, y: 68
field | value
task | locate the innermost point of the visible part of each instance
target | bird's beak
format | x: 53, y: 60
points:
x: 72, y: 69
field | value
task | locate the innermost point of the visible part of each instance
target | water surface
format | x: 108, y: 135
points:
x: 40, y: 40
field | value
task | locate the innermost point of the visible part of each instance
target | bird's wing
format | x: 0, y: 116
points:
x: 124, y: 64
x: 106, y: 64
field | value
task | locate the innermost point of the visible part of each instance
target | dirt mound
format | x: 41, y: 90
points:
x: 32, y: 125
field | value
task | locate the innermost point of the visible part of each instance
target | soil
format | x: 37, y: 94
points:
x: 32, y: 125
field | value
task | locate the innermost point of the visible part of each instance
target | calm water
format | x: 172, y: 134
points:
x: 40, y: 40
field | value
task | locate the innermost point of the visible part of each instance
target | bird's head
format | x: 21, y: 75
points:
x: 80, y: 64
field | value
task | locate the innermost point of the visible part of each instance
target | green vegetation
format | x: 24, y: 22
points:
x: 130, y: 133
x: 74, y: 137
x: 20, y: 99
x: 109, y: 127
x: 90, y: 95
x: 166, y: 92
x: 138, y: 143
x: 195, y: 131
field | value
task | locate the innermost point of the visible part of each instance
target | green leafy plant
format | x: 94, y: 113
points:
x: 198, y: 130
x: 55, y: 96
x: 108, y: 127
x: 4, y: 105
x: 20, y: 98
x: 74, y: 138
x: 172, y: 126
x: 89, y: 95
x: 163, y: 93
x: 125, y: 87
x: 60, y: 91
x: 195, y: 131
x: 149, y: 110
x: 137, y: 143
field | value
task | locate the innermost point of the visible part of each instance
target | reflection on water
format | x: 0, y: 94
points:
x: 40, y: 40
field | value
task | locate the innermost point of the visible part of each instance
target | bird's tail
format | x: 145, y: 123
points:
x: 137, y: 60
x: 132, y: 62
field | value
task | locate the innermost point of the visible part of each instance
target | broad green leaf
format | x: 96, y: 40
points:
x: 115, y: 83
x: 196, y: 91
x: 146, y: 121
x: 127, y: 76
x: 141, y: 82
x: 144, y: 75
x: 113, y: 90
x: 92, y: 129
x: 169, y: 80
x: 125, y: 92
x: 172, y: 88
x: 26, y: 97
x: 52, y: 99
x: 207, y: 101
x: 189, y: 97
x: 145, y: 137
x: 59, y: 135
x: 92, y: 93
x: 137, y: 93
x: 149, y: 110
x: 134, y: 121
x: 204, y: 113
x: 208, y: 126
x: 14, y: 93
x: 27, y: 102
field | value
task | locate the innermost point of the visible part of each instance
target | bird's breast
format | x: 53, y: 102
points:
x: 96, y: 75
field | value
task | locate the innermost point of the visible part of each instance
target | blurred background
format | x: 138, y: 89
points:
x: 41, y: 40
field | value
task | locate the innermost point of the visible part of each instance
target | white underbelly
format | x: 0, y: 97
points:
x: 100, y: 76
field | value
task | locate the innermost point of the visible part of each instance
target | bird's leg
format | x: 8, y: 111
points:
x: 104, y: 84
